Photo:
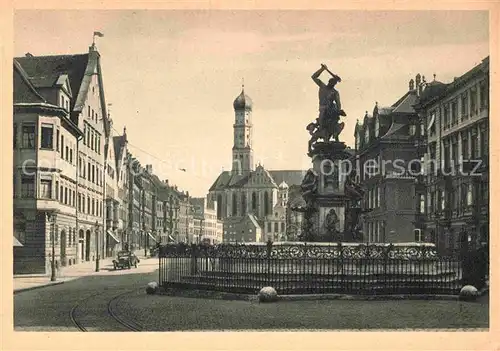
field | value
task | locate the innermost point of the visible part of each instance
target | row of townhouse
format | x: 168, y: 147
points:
x: 78, y: 193
x: 423, y: 163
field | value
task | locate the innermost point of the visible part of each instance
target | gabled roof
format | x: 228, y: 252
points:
x: 24, y: 91
x: 405, y: 103
x: 290, y: 177
x: 254, y: 220
x: 118, y: 144
x: 46, y: 70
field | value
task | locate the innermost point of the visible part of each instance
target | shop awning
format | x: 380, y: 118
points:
x: 110, y: 233
x: 152, y: 237
x: 17, y: 243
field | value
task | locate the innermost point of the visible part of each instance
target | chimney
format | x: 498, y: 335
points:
x: 417, y: 84
x: 125, y: 133
x: 149, y: 169
x: 411, y: 85
x: 28, y: 54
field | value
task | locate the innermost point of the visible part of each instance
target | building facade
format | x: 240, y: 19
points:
x: 247, y: 193
x: 45, y: 173
x: 74, y: 83
x: 385, y: 149
x: 456, y: 202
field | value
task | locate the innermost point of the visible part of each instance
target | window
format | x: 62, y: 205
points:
x: 62, y: 146
x: 473, y: 144
x: 61, y: 194
x: 465, y: 107
x: 79, y: 202
x: 469, y: 195
x: 432, y: 124
x: 465, y: 147
x: 377, y: 127
x: 483, y: 95
x: 71, y: 156
x: 454, y: 113
x: 484, y: 141
x: 65, y: 195
x: 418, y: 235
x: 422, y: 129
x: 93, y: 207
x: 57, y: 191
x: 89, y: 173
x: 367, y: 135
x: 89, y: 111
x: 88, y: 204
x: 422, y: 203
x: 46, y: 189
x: 66, y: 153
x: 92, y: 145
x: 269, y: 227
x: 412, y: 129
x: 73, y: 198
x: 57, y: 139
x: 276, y: 227
x: 29, y: 136
x: 27, y: 187
x: 446, y: 117
x: 282, y: 227
x: 62, y: 101
x: 14, y: 135
x: 473, y: 101
x: 443, y: 200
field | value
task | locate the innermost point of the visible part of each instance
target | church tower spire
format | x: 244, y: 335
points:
x: 242, y: 146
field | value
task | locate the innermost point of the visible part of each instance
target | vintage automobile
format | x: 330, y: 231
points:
x: 125, y: 259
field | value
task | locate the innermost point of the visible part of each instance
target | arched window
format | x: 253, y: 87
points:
x: 254, y: 201
x: 266, y: 204
x: 243, y: 204
x: 235, y: 205
x: 219, y: 206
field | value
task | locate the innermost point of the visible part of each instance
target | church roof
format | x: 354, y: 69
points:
x: 291, y: 177
x: 228, y: 179
x: 243, y: 102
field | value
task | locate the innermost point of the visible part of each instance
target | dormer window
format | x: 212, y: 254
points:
x: 367, y: 134
x: 412, y: 129
x: 358, y: 141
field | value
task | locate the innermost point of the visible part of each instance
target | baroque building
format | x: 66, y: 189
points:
x: 455, y: 202
x: 246, y: 196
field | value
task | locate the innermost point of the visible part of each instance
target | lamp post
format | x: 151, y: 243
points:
x: 51, y: 218
x: 97, y: 244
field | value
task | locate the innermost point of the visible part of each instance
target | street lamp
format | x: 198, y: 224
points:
x: 97, y: 244
x: 51, y: 218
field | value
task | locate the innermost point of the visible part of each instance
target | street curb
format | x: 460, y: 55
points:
x: 17, y: 291
x: 309, y: 297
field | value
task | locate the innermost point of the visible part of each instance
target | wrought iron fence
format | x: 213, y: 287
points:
x: 302, y: 268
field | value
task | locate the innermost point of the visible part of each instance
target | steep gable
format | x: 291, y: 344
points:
x: 24, y: 91
x: 46, y: 70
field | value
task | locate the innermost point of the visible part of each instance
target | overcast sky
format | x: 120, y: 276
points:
x: 172, y: 76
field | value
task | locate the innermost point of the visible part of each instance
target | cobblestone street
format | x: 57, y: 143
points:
x: 116, y: 301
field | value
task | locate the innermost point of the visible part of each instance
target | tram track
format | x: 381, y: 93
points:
x: 101, y: 314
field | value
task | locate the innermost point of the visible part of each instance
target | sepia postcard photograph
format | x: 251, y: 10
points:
x: 248, y: 170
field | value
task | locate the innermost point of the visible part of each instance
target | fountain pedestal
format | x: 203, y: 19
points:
x: 328, y: 202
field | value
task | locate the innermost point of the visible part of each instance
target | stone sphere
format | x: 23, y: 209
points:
x: 468, y: 293
x: 268, y: 294
x: 152, y: 288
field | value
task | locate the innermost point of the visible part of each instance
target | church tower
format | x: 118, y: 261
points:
x: 242, y: 147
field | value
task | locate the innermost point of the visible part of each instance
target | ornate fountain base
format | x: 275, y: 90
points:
x: 327, y: 204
